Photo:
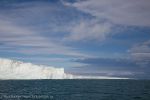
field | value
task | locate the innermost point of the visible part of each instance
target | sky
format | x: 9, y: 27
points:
x: 86, y: 37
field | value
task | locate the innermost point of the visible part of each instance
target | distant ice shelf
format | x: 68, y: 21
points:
x: 12, y: 69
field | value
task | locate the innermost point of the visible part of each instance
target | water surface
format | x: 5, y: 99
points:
x: 74, y: 90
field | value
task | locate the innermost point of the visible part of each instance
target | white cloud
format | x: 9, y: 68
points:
x: 89, y: 30
x: 22, y: 39
x: 106, y: 15
x: 124, y: 12
x: 141, y: 53
x: 31, y: 13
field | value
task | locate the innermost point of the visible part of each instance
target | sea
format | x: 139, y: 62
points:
x: 75, y: 89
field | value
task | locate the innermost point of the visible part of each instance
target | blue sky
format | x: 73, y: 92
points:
x: 88, y: 37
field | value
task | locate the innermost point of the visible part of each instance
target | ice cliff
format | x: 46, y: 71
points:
x: 11, y: 69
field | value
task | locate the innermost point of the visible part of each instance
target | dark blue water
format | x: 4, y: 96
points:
x: 75, y: 90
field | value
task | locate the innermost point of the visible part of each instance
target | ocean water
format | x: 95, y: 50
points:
x: 74, y: 90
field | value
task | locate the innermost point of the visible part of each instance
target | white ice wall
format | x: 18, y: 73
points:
x: 11, y: 69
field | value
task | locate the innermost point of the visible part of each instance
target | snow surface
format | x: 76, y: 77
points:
x: 12, y: 69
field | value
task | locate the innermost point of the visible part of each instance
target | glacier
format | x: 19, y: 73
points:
x: 12, y: 69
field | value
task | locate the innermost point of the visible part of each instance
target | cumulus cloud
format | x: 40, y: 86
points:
x: 124, y: 12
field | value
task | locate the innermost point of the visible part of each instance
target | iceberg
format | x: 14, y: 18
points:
x: 12, y: 69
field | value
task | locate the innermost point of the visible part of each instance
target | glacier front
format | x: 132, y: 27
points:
x: 12, y: 69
